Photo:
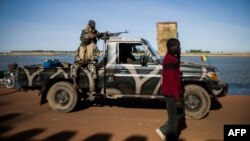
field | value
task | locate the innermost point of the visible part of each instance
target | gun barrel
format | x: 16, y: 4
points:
x: 118, y: 33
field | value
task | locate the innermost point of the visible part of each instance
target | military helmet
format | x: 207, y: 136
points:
x: 91, y: 23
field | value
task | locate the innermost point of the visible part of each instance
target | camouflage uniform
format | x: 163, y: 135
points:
x: 87, y: 53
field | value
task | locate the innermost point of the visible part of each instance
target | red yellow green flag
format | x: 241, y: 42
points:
x: 204, y: 58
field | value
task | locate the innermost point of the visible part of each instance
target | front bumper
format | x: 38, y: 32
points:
x: 220, y: 90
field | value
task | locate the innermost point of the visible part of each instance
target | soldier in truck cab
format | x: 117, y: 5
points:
x: 125, y: 53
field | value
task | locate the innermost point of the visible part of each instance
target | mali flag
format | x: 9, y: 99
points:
x: 204, y: 58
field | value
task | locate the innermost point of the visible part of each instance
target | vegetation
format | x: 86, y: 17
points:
x: 38, y: 52
x: 197, y: 51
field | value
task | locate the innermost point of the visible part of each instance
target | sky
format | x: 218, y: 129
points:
x: 213, y: 25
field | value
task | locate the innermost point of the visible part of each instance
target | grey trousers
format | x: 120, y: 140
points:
x: 170, y: 126
x: 175, y: 111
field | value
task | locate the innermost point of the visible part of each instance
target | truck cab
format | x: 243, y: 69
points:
x: 133, y: 69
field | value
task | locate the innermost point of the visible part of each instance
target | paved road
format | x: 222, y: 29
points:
x: 22, y: 118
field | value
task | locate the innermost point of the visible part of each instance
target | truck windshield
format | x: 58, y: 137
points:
x: 154, y: 52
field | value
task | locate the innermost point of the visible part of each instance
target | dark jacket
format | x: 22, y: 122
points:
x: 88, y: 35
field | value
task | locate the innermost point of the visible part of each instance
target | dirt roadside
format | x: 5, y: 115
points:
x: 22, y: 118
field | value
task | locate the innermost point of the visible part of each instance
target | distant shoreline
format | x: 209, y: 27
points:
x: 35, y: 54
x: 217, y: 54
x: 47, y: 53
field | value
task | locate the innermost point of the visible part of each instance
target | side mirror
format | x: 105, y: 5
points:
x: 144, y: 60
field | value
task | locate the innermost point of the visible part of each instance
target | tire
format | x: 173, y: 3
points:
x: 197, y: 102
x: 10, y: 81
x: 62, y: 97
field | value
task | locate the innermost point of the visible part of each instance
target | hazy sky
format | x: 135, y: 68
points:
x: 215, y: 25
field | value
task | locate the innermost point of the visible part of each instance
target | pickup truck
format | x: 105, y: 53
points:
x: 138, y: 78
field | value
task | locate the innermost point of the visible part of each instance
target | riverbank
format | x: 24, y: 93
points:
x: 32, y: 53
x: 22, y: 118
x: 57, y: 53
x: 217, y: 54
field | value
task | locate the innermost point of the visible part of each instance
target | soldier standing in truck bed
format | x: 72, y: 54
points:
x: 87, y: 53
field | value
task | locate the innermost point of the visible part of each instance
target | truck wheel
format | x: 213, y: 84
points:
x: 197, y: 102
x: 10, y: 81
x: 62, y: 97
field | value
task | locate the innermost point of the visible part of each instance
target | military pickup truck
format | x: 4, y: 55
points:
x: 121, y: 76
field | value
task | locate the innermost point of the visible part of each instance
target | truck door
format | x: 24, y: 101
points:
x: 131, y: 78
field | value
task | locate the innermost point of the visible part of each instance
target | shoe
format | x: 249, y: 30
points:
x: 162, y: 136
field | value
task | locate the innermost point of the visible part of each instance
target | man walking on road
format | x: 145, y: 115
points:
x: 172, y: 91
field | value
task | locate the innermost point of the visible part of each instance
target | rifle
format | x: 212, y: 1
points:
x: 107, y: 35
x: 117, y: 33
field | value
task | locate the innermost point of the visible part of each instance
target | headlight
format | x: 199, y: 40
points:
x: 214, y: 76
